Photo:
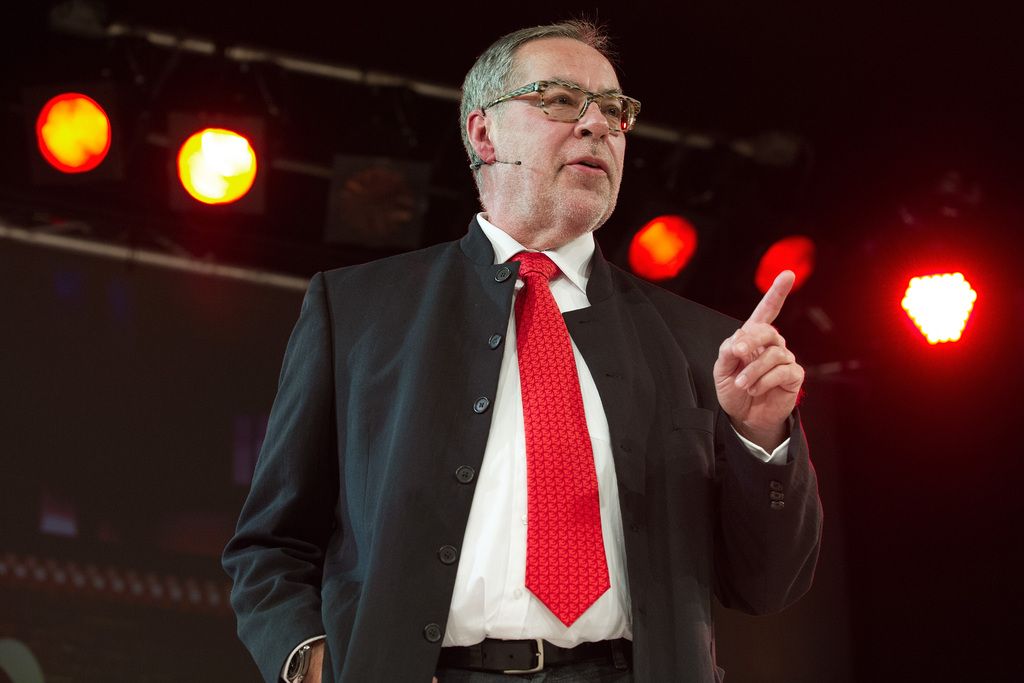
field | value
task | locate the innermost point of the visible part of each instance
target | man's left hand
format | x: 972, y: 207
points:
x: 757, y: 378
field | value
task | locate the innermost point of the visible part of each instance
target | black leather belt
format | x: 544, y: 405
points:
x: 529, y: 656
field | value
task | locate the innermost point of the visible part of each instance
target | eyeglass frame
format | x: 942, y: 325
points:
x: 539, y: 86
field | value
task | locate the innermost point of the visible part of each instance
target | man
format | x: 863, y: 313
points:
x: 468, y: 470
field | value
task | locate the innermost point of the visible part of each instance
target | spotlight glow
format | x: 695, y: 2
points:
x: 73, y: 133
x: 662, y: 248
x: 794, y: 253
x: 217, y: 166
x: 940, y: 305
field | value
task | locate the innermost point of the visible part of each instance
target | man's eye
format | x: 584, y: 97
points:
x: 613, y: 110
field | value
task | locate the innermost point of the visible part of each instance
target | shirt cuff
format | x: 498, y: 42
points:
x: 780, y: 456
x: 298, y: 647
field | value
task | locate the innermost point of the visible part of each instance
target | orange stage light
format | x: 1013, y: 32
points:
x: 794, y: 253
x: 940, y: 305
x: 217, y: 166
x: 73, y: 133
x: 662, y: 248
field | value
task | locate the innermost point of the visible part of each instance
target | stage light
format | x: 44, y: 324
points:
x: 377, y: 202
x: 795, y: 253
x: 73, y: 133
x: 662, y: 248
x: 940, y: 305
x: 217, y: 166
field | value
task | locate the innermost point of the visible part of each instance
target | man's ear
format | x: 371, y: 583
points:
x: 477, y: 126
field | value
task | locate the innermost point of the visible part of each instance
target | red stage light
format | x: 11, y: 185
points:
x: 662, y: 248
x: 940, y: 305
x: 795, y: 253
x: 217, y: 166
x: 73, y: 133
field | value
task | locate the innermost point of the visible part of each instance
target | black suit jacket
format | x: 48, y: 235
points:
x: 366, y: 476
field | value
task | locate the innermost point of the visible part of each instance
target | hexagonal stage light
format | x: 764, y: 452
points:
x: 940, y: 305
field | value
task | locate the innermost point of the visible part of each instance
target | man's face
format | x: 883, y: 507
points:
x: 557, y: 181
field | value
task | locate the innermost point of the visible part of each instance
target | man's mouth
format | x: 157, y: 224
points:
x: 591, y: 163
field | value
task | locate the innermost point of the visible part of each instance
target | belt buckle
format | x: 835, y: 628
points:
x: 540, y: 661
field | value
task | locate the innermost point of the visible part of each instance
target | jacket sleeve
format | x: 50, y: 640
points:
x: 769, y: 524
x: 275, y: 559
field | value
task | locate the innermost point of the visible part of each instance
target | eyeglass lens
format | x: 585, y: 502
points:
x: 566, y: 104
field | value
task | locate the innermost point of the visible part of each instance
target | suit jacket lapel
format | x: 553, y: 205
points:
x: 606, y: 337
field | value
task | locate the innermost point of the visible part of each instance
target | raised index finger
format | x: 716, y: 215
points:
x: 768, y: 309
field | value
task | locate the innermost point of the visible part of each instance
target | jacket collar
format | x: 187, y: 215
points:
x: 476, y: 246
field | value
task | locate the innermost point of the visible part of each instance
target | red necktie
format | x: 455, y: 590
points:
x: 565, y: 561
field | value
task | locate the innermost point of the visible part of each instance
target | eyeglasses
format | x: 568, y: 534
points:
x: 564, y: 101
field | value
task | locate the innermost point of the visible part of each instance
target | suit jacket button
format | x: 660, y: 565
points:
x: 494, y: 341
x: 432, y: 632
x: 465, y: 474
x: 503, y: 274
x: 778, y: 504
x: 481, y: 405
x: 775, y: 495
x: 775, y: 485
x: 447, y: 554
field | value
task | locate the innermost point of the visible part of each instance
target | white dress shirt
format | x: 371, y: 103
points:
x: 490, y: 599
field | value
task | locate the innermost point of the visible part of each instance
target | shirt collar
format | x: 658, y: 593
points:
x: 573, y: 258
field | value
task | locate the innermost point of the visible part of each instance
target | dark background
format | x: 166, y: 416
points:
x: 132, y: 399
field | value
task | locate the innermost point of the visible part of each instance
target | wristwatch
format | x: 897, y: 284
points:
x: 299, y: 666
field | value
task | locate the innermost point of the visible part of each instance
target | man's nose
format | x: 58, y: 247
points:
x: 593, y: 122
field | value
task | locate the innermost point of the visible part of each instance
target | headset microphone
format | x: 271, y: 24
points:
x: 477, y: 164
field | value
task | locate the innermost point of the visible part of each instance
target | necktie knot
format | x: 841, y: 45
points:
x: 535, y: 263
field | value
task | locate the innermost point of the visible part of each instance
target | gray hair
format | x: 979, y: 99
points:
x: 491, y: 75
